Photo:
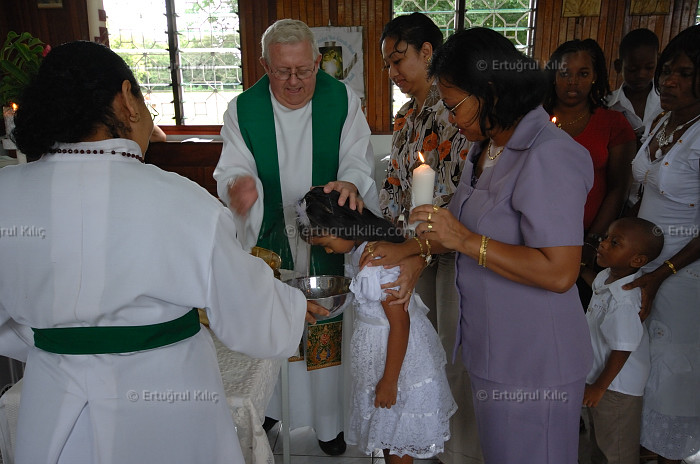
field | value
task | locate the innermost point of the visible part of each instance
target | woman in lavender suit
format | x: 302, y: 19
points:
x: 516, y: 222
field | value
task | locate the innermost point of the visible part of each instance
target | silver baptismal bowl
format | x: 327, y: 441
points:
x: 327, y: 290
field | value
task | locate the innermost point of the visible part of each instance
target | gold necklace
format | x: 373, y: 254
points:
x: 498, y: 153
x: 581, y: 116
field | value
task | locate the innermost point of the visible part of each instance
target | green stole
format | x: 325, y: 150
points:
x: 256, y: 120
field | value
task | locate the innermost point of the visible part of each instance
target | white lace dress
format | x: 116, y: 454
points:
x: 418, y: 425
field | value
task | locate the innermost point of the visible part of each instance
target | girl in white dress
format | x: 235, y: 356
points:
x: 401, y: 402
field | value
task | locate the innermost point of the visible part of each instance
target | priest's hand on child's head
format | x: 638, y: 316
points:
x: 348, y: 192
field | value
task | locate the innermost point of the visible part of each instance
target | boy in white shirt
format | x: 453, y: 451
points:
x: 636, y: 98
x: 615, y: 384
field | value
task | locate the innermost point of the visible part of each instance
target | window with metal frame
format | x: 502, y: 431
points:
x: 186, y: 54
x: 515, y: 19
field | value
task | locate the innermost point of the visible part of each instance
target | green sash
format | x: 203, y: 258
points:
x: 116, y: 339
x: 256, y: 120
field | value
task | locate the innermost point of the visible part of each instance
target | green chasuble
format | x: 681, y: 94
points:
x: 256, y: 120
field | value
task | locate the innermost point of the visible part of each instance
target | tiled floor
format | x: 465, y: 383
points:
x: 305, y: 450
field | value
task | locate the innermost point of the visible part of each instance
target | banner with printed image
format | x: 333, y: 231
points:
x: 342, y: 55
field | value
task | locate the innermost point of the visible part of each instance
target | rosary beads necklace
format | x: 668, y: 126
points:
x: 664, y: 139
x: 96, y: 152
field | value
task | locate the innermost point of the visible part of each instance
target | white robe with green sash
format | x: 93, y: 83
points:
x: 311, y: 403
x: 103, y: 240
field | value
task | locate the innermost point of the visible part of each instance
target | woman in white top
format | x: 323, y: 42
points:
x: 104, y: 259
x: 668, y: 167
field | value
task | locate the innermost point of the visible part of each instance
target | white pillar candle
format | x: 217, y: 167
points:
x: 423, y: 185
x: 9, y: 115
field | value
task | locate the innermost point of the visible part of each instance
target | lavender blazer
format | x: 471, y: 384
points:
x: 534, y: 196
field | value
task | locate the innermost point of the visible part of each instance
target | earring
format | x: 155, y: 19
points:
x: 135, y: 118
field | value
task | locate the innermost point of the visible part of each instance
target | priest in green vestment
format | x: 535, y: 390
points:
x: 293, y: 129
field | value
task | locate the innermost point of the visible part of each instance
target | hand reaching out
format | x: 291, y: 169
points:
x: 314, y: 308
x: 242, y: 194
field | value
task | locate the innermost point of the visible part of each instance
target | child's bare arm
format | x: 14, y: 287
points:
x: 399, y: 325
x: 588, y: 275
x: 594, y: 392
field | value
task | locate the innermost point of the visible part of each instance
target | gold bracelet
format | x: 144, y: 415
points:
x: 671, y: 266
x: 486, y: 244
x: 482, y: 250
x: 420, y: 245
x: 428, y: 256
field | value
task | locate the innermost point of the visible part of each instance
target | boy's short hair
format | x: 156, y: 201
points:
x: 635, y: 39
x: 648, y: 236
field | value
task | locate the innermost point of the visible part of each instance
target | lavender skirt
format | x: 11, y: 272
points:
x: 528, y: 424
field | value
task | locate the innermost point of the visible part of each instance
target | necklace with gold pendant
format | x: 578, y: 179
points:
x: 564, y: 124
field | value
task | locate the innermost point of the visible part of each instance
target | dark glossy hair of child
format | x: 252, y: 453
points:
x: 648, y: 237
x: 601, y: 87
x: 319, y: 215
x: 635, y: 39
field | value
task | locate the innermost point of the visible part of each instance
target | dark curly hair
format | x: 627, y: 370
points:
x: 321, y: 216
x: 482, y: 62
x: 415, y: 29
x: 600, y: 87
x: 687, y: 42
x: 70, y: 97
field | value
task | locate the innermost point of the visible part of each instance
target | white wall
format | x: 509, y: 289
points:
x: 381, y: 144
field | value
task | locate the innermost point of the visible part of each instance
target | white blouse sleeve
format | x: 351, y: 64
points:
x: 367, y: 284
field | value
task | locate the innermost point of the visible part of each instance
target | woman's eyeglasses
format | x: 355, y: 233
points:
x: 301, y: 73
x: 454, y: 108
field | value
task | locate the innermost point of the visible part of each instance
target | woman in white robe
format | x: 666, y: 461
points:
x: 96, y: 239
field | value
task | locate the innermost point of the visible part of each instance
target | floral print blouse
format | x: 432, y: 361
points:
x: 428, y: 131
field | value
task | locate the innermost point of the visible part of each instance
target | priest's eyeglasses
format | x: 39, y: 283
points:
x: 284, y: 74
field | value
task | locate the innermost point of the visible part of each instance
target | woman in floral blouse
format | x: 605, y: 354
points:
x: 421, y: 125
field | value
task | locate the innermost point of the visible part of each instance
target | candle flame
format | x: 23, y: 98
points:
x: 14, y: 106
x: 420, y: 156
x: 554, y: 119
